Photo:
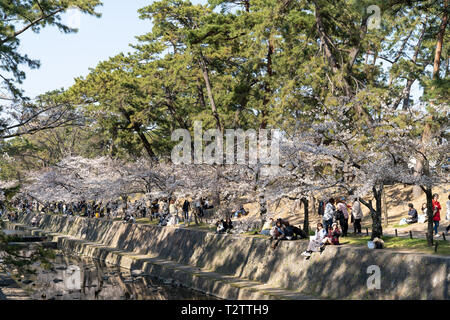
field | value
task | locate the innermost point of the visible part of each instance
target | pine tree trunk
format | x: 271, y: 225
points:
x: 440, y: 42
x: 209, y: 91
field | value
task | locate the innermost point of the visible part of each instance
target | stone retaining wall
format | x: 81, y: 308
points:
x: 339, y: 272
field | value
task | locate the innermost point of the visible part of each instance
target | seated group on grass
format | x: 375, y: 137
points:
x: 322, y: 238
x: 241, y: 212
x: 282, y: 230
x: 224, y: 226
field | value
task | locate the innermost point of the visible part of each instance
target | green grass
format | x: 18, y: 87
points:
x: 201, y: 226
x: 147, y: 221
x: 401, y: 243
x: 401, y: 226
x: 256, y: 234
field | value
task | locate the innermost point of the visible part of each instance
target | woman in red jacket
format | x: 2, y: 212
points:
x: 437, y: 213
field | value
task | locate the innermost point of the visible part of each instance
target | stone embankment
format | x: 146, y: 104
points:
x: 237, y: 267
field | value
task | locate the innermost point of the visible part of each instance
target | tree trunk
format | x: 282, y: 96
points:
x: 313, y: 200
x: 247, y: 5
x: 421, y: 163
x: 385, y: 210
x: 306, y: 210
x: 429, y: 193
x: 147, y: 145
x: 205, y: 74
x: 267, y: 88
x: 440, y: 42
x: 375, y: 213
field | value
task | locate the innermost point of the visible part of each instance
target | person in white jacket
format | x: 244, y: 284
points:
x: 357, y: 216
x: 329, y: 214
x: 316, y: 242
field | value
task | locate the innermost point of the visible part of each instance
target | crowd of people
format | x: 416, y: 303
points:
x: 415, y: 217
x: 337, y: 211
x: 168, y: 211
x: 335, y: 215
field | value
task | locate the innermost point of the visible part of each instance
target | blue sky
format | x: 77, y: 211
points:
x: 67, y: 56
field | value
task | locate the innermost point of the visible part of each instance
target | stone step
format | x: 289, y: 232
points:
x: 212, y: 283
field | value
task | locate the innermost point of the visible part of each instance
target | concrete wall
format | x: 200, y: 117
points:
x: 339, y: 272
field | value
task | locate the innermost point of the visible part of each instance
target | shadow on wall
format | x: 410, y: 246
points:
x: 339, y: 272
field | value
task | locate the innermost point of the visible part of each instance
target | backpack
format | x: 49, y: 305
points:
x: 339, y: 215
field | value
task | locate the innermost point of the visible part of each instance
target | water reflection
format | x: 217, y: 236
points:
x: 74, y: 278
x: 16, y: 232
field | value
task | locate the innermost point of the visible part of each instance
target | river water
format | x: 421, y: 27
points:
x: 72, y: 277
x: 75, y: 278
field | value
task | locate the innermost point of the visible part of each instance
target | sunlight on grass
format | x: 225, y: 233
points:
x: 147, y: 221
x: 400, y: 243
x: 401, y: 226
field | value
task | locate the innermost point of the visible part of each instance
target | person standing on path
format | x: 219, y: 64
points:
x: 328, y: 214
x: 173, y: 211
x: 437, y: 214
x: 343, y: 221
x: 357, y: 215
x: 186, y: 206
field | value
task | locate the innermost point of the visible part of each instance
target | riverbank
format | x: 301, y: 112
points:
x: 233, y: 267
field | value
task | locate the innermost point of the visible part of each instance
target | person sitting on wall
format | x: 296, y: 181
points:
x: 35, y: 221
x: 333, y: 235
x: 267, y: 227
x: 316, y: 243
x: 229, y: 224
x: 129, y: 218
x: 298, y: 232
x: 220, y: 226
x: 163, y: 219
x: 278, y: 233
x: 224, y: 226
x: 422, y: 218
x: 173, y: 221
